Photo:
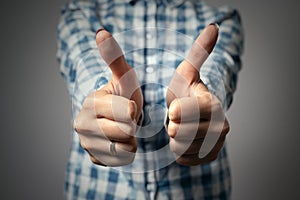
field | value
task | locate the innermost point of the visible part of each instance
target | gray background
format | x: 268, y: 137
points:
x: 35, y: 117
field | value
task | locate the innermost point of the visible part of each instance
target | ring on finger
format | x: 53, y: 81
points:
x: 112, y: 148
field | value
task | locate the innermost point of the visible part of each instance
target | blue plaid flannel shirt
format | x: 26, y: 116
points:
x: 155, y: 35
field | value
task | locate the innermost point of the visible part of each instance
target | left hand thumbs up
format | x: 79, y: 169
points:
x: 195, y: 113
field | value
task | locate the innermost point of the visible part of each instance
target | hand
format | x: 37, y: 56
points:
x: 195, y: 113
x: 110, y: 114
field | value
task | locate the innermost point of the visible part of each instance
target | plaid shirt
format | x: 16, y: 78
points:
x: 155, y: 36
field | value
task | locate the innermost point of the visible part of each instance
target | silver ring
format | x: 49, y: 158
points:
x: 112, y: 148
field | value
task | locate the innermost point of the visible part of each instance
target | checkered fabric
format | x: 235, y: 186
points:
x: 155, y: 35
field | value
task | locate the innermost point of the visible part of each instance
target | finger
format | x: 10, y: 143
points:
x: 187, y: 73
x: 186, y: 109
x: 104, y: 104
x: 199, y: 52
x: 196, y: 130
x: 208, y: 37
x: 95, y: 161
x: 194, y: 159
x: 102, y: 147
x: 111, y: 53
x: 115, y: 108
x: 84, y: 123
x: 180, y: 147
x: 100, y: 154
x: 99, y: 148
x: 193, y: 108
x: 124, y: 152
x: 92, y: 158
x: 116, y: 131
x: 187, y: 130
x: 124, y: 77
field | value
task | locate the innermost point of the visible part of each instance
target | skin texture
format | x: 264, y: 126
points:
x: 111, y: 113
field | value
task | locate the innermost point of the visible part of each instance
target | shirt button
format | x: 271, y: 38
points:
x: 150, y: 187
x: 149, y: 70
x: 149, y: 36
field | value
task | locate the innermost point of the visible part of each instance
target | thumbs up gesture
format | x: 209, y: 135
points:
x: 194, y: 113
x: 106, y: 124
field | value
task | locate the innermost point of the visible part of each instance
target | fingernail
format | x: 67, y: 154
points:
x: 215, y: 24
x: 99, y: 30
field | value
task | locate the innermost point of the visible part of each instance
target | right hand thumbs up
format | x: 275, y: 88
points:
x: 106, y: 123
x: 124, y: 80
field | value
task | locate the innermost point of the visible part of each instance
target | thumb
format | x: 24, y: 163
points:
x: 202, y: 47
x: 112, y: 54
x: 124, y: 78
x: 188, y: 70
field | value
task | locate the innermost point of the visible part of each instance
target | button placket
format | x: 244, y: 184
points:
x: 150, y: 68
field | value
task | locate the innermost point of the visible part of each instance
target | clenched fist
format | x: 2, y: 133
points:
x: 196, y: 117
x: 106, y: 124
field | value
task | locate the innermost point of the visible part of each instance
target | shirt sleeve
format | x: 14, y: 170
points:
x: 220, y: 71
x: 80, y: 63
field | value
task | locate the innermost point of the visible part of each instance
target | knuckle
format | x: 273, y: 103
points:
x: 126, y: 137
x: 75, y: 125
x: 172, y: 129
x: 226, y: 128
x: 81, y: 124
x: 179, y: 148
x: 128, y: 134
x: 83, y: 145
x: 132, y: 107
x: 174, y: 109
x: 216, y: 105
x: 129, y: 160
x: 131, y: 131
x: 172, y: 145
x: 133, y: 146
x: 126, y: 160
x: 134, y: 149
x: 95, y: 161
x: 206, y: 98
x: 92, y: 158
x: 178, y: 151
x: 89, y: 101
x: 129, y: 147
x: 215, y: 100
